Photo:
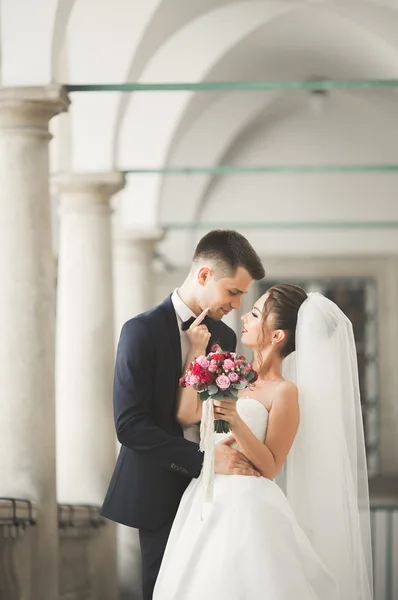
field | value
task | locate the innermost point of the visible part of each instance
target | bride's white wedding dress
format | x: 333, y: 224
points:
x: 248, y: 546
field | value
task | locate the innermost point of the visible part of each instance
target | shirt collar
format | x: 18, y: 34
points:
x: 182, y: 310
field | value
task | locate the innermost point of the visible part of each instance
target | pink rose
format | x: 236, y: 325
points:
x: 228, y: 364
x: 213, y: 366
x: 233, y: 376
x: 204, y: 363
x: 223, y: 382
x: 193, y: 380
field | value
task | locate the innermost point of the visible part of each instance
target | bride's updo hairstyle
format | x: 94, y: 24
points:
x: 282, y: 304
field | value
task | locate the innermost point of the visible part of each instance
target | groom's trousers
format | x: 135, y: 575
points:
x: 153, y: 545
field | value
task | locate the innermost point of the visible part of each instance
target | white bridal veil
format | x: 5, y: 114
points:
x: 325, y: 475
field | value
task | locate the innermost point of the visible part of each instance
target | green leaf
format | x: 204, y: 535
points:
x: 231, y: 393
x: 204, y: 396
x: 240, y: 385
x: 218, y: 396
x: 212, y: 389
x: 221, y: 426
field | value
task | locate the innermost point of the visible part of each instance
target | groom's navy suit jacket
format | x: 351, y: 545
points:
x: 155, y: 462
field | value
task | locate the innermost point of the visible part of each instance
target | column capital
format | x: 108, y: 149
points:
x: 87, y: 191
x: 143, y: 236
x: 101, y: 183
x: 29, y: 109
x: 137, y: 245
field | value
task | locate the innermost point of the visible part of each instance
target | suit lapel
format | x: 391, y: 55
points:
x: 174, y: 332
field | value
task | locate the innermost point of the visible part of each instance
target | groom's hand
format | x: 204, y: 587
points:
x: 228, y: 461
x: 199, y: 335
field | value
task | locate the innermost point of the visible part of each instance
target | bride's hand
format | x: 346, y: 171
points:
x: 226, y: 410
x: 199, y: 335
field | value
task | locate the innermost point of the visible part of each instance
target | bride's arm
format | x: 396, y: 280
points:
x: 283, y: 422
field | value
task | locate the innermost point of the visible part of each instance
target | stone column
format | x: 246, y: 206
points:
x: 133, y: 252
x: 85, y: 353
x: 27, y: 421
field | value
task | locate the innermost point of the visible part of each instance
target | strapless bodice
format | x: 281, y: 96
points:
x: 254, y: 414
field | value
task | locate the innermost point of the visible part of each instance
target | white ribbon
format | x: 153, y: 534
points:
x: 207, y: 441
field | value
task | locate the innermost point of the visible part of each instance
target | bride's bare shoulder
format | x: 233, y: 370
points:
x: 286, y: 386
x: 286, y: 392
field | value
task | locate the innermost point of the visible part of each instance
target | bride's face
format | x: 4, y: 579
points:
x: 253, y: 327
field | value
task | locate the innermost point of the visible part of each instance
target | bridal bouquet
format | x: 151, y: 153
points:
x: 218, y: 375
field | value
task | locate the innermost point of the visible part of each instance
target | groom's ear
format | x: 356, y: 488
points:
x: 204, y: 274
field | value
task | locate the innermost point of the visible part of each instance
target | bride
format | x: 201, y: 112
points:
x: 301, y: 530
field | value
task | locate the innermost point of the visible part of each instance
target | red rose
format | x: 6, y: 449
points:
x: 202, y: 374
x: 181, y: 382
x: 217, y: 356
x: 207, y: 377
x: 197, y: 370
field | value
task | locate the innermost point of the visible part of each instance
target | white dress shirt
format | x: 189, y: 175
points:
x: 183, y: 313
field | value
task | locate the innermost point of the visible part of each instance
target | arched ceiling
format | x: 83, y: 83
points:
x: 277, y: 55
x: 152, y: 118
x: 27, y: 41
x: 169, y: 17
x: 298, y: 42
x: 288, y: 132
x: 293, y: 46
x: 175, y: 40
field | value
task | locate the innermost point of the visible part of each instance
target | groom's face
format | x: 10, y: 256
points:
x: 221, y: 295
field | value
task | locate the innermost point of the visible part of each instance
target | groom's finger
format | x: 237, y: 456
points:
x: 247, y: 467
x: 200, y: 318
x: 245, y: 471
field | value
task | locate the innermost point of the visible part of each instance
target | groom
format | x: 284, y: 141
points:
x: 156, y: 463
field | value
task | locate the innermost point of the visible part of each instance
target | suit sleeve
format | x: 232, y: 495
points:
x: 133, y: 387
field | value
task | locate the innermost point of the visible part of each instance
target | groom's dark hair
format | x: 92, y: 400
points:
x: 227, y: 250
